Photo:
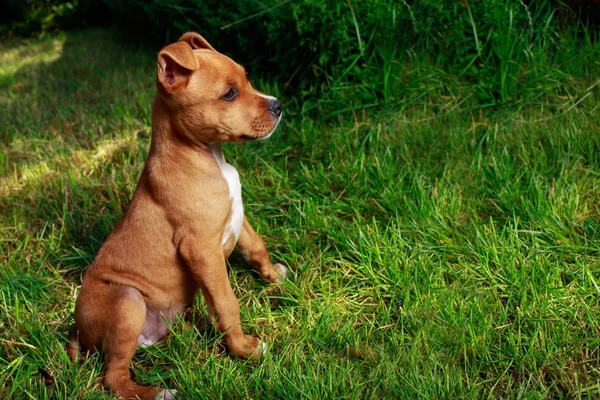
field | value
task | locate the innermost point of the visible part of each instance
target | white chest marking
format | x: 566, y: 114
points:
x: 234, y: 226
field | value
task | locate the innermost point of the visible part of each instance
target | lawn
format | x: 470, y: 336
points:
x: 437, y: 252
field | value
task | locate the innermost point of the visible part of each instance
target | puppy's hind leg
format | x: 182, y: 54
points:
x: 111, y: 318
x: 120, y: 342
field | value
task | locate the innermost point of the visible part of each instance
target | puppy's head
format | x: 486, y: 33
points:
x: 209, y: 96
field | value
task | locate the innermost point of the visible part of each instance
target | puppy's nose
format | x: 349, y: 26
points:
x: 275, y: 107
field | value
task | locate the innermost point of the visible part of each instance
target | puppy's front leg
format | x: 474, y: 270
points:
x: 210, y: 271
x: 253, y: 248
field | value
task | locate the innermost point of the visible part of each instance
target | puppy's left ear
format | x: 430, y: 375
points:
x: 196, y: 41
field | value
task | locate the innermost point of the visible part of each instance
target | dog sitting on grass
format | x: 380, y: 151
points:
x: 184, y: 220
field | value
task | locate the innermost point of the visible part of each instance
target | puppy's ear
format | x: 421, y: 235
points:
x: 196, y: 41
x: 175, y: 65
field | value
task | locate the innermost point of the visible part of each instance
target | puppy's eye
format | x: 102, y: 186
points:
x: 230, y: 95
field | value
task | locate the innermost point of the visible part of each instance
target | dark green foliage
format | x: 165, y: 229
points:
x: 325, y: 47
x: 353, y: 54
x: 25, y: 17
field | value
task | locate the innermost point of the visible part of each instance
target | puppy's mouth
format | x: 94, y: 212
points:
x: 248, y: 138
x: 268, y: 135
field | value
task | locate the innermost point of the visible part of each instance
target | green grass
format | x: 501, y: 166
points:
x: 437, y: 252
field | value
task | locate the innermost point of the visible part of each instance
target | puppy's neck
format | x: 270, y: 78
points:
x: 166, y: 140
x: 173, y: 154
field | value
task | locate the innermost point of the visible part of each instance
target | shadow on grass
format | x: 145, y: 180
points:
x: 74, y: 104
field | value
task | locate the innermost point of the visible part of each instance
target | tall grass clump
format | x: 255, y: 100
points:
x: 337, y: 56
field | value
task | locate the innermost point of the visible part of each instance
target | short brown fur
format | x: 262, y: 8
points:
x: 169, y: 243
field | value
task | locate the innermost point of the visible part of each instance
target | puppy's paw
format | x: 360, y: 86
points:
x: 168, y: 394
x: 282, y: 273
x: 247, y: 347
x: 274, y: 273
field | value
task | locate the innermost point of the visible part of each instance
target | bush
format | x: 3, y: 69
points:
x: 27, y: 17
x: 359, y: 53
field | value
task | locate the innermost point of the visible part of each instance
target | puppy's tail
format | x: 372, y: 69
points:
x: 73, y: 347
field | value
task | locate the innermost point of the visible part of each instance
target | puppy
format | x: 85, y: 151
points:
x: 184, y: 220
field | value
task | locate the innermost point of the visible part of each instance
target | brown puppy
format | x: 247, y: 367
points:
x: 184, y: 220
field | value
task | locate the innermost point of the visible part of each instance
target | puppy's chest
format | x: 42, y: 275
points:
x: 234, y: 225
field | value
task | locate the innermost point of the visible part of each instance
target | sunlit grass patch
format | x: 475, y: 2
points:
x: 16, y: 55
